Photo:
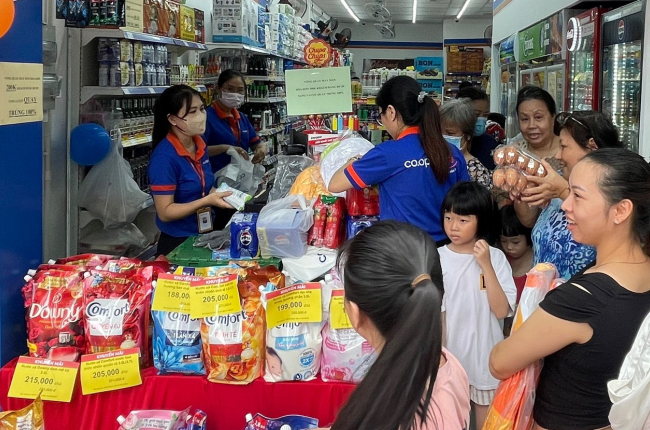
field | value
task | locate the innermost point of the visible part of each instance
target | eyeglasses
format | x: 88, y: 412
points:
x: 381, y: 124
x: 561, y: 120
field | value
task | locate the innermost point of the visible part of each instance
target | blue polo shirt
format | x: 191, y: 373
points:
x: 174, y: 172
x: 228, y: 128
x: 408, y: 189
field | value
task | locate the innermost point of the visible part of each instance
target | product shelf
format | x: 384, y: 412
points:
x: 265, y: 78
x: 87, y: 92
x: 268, y: 100
x: 92, y: 33
x: 249, y: 49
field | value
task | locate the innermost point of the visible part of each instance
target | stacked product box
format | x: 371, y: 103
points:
x: 302, y: 39
x: 262, y: 25
x: 235, y: 21
x: 281, y: 33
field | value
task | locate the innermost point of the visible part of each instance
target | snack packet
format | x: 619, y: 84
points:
x: 233, y: 345
x: 117, y: 311
x: 54, y: 300
x: 27, y: 418
x: 237, y: 199
x: 153, y: 420
x: 292, y: 422
x: 177, y: 342
x: 90, y: 261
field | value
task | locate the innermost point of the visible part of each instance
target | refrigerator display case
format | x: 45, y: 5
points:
x: 551, y: 78
x: 621, y: 75
x: 508, y: 86
x: 583, y: 46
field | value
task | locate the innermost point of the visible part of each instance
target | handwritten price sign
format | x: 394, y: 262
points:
x: 300, y: 303
x: 338, y: 317
x: 172, y: 293
x: 54, y: 379
x: 110, y: 371
x: 216, y: 296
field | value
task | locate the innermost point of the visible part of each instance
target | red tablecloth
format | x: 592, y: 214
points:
x: 226, y: 405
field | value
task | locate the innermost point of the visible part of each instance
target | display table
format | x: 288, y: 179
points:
x: 226, y: 405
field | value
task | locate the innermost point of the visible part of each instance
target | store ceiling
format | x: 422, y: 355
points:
x: 402, y: 10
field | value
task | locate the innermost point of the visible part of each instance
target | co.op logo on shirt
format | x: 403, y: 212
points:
x: 422, y: 162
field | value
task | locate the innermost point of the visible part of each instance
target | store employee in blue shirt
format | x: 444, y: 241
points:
x: 227, y: 127
x: 179, y: 170
x: 416, y: 169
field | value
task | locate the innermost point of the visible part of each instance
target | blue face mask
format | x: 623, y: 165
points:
x: 479, y: 128
x: 453, y: 140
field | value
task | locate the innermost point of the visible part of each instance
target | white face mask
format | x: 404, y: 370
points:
x: 454, y: 140
x: 232, y: 100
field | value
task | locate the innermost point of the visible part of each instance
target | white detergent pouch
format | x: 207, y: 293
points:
x: 630, y: 393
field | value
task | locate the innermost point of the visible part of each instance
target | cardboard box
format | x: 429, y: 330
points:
x: 187, y: 26
x: 235, y: 23
x: 199, y: 24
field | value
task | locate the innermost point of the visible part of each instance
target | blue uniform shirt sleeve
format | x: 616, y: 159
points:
x: 163, y: 178
x: 372, y: 169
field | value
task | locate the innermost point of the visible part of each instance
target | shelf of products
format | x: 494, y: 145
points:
x: 219, y: 47
x: 268, y: 100
x: 265, y: 78
x: 89, y: 34
x: 89, y: 92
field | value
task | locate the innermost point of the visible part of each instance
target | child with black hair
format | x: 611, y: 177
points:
x: 516, y: 243
x: 479, y: 289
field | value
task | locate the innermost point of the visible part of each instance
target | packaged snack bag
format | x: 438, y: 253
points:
x: 90, y: 261
x: 54, y: 300
x: 292, y: 422
x: 172, y: 16
x: 177, y: 341
x: 335, y: 222
x: 117, y: 311
x: 243, y: 236
x: 27, y: 418
x: 363, y: 202
x: 317, y: 232
x: 233, y: 345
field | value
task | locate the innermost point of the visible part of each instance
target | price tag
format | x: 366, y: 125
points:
x: 338, y: 317
x: 215, y: 296
x: 172, y: 293
x: 152, y: 90
x: 54, y: 380
x: 110, y: 371
x: 300, y: 303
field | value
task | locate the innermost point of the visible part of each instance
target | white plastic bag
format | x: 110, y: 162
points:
x: 109, y: 192
x: 240, y: 174
x: 314, y: 264
x: 283, y: 225
x: 289, y: 167
x: 339, y: 153
x: 630, y: 393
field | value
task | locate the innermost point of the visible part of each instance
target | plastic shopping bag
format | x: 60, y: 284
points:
x: 339, y: 153
x: 109, y: 192
x: 310, y: 184
x: 240, y: 174
x: 283, y: 225
x: 512, y: 408
x: 289, y: 167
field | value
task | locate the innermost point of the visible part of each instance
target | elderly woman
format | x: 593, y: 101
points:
x: 458, y: 122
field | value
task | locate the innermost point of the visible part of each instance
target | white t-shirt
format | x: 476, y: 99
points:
x: 472, y: 328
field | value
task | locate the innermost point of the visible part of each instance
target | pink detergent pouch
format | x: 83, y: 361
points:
x: 287, y: 422
x: 153, y: 420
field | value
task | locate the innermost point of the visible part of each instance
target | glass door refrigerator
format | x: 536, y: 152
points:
x: 583, y: 46
x: 621, y: 76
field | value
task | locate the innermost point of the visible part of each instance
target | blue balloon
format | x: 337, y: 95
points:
x: 89, y: 144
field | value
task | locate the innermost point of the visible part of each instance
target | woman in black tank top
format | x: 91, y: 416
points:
x: 585, y: 327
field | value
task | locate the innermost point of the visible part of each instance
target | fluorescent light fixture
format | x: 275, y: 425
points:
x: 462, y: 11
x: 347, y: 7
x: 415, y: 10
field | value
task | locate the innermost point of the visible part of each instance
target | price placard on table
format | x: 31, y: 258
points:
x: 110, y: 371
x: 55, y: 380
x: 214, y: 296
x: 338, y: 317
x: 299, y: 303
x: 172, y: 293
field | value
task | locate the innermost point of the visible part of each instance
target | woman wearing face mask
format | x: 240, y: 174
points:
x: 483, y: 143
x: 458, y: 123
x: 418, y: 155
x: 227, y: 127
x: 579, y: 134
x: 179, y: 169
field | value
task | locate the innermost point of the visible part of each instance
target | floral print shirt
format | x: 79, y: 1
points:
x: 479, y: 173
x: 553, y: 243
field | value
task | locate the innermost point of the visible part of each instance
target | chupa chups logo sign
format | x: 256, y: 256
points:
x: 318, y: 53
x: 621, y: 30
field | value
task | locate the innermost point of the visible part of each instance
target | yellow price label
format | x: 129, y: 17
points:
x: 172, y: 293
x: 216, y: 296
x: 338, y: 317
x: 109, y: 371
x: 299, y: 303
x: 54, y: 380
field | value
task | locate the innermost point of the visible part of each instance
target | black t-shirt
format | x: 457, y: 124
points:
x: 572, y: 390
x: 482, y: 148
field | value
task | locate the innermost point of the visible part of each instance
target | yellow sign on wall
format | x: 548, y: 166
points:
x: 21, y: 93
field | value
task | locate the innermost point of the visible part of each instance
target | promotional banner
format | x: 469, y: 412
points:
x: 430, y: 74
x: 507, y: 51
x: 544, y: 38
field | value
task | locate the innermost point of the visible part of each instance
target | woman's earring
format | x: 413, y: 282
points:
x: 617, y: 222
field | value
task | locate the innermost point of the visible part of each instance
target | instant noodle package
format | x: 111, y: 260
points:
x: 234, y: 345
x: 514, y: 165
x: 117, y: 310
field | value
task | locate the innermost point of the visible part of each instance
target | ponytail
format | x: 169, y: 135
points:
x: 397, y: 391
x: 171, y: 102
x: 403, y: 93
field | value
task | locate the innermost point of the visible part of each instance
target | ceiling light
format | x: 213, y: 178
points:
x: 462, y: 11
x: 347, y: 7
x: 415, y: 10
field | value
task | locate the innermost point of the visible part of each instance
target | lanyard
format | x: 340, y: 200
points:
x: 201, y: 176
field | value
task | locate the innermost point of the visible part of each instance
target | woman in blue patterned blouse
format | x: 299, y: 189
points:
x: 580, y: 132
